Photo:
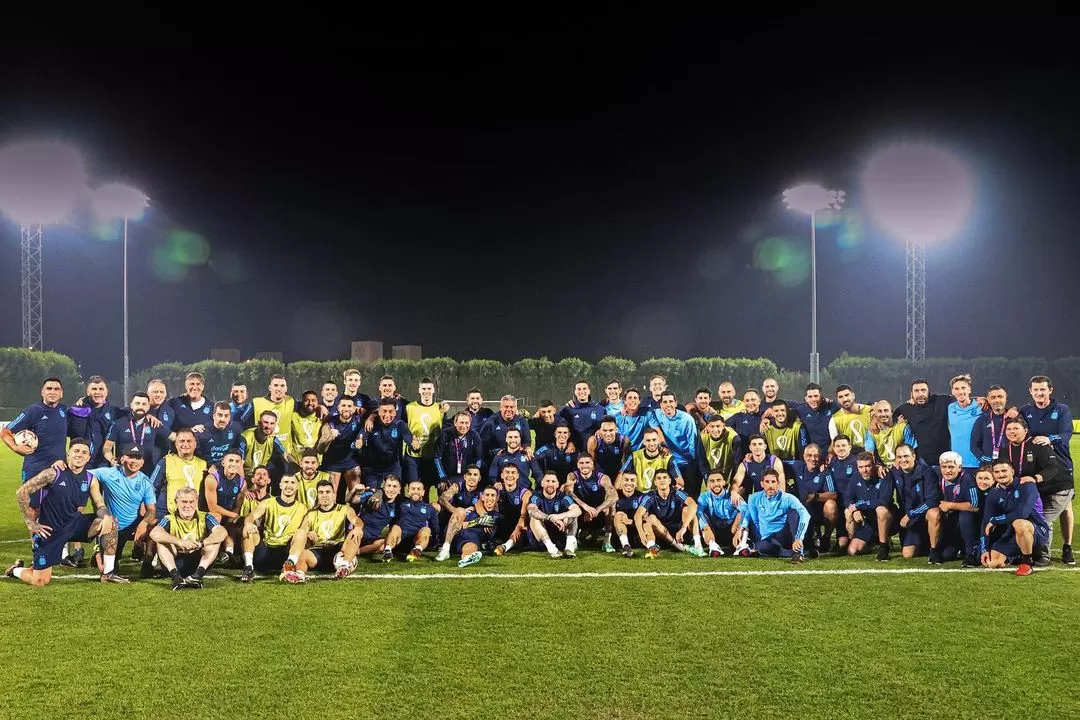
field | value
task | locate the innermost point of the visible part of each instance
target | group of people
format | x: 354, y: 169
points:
x: 289, y: 486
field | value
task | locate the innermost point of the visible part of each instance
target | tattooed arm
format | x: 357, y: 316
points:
x: 107, y: 521
x: 31, y: 486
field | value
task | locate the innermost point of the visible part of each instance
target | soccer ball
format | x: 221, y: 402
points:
x: 26, y: 438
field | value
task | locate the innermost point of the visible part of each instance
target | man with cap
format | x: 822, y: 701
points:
x: 125, y: 488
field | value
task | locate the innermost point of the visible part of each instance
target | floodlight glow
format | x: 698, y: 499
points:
x: 116, y: 200
x: 918, y: 193
x: 810, y: 198
x: 40, y: 182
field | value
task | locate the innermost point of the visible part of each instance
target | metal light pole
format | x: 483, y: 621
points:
x: 810, y: 199
x: 127, y: 370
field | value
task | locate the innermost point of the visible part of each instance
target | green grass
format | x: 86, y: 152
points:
x: 972, y: 644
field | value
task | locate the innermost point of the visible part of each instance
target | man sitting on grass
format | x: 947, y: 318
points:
x: 629, y: 500
x: 776, y: 521
x: 718, y: 516
x: 278, y: 518
x: 327, y: 539
x: 417, y: 523
x: 1012, y: 527
x: 188, y: 541
x: 553, y: 518
x: 668, y: 513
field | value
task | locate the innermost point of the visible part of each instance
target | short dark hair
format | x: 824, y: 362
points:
x: 770, y: 473
x: 756, y: 436
x: 309, y: 392
x: 546, y: 403
x: 79, y: 441
x: 140, y: 394
x: 842, y: 388
x: 388, y: 401
x: 52, y: 378
x: 95, y: 379
x: 222, y: 405
x: 234, y: 451
x: 470, y: 466
x: 631, y: 390
x: 705, y: 390
x: 477, y: 391
x: 324, y: 483
x: 666, y: 393
x: 999, y: 461
x: 271, y: 413
x: 1040, y: 379
x: 920, y: 381
x: 309, y: 452
x: 813, y: 386
x: 842, y: 436
x: 278, y: 377
x: 865, y: 456
x: 607, y: 419
x: 387, y: 377
x: 1018, y: 420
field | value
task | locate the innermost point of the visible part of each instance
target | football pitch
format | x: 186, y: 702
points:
x: 525, y: 636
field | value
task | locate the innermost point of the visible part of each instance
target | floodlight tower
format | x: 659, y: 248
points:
x: 918, y: 193
x: 114, y: 200
x: 39, y: 184
x: 810, y: 199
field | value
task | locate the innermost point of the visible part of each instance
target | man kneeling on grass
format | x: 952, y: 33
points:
x: 327, y: 539
x: 668, y: 513
x: 187, y: 540
x: 279, y: 518
x: 471, y: 533
x: 1012, y: 527
x: 553, y: 518
x: 775, y: 520
x: 718, y: 515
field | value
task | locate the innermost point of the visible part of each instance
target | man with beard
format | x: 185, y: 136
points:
x: 241, y: 407
x: 513, y: 508
x: 784, y: 435
x: 221, y: 496
x: 852, y: 419
x: 306, y: 423
x: 553, y: 517
x: 595, y: 495
x: 474, y: 405
x: 543, y: 424
x: 721, y: 447
x: 511, y: 454
x: 632, y: 421
x: 269, y: 530
x: 770, y: 392
x: 775, y: 520
x: 261, y: 445
x: 701, y: 409
x: 278, y: 401
x: 383, y: 444
x: 134, y: 430
x: 328, y: 539
x: 648, y: 460
x: 988, y: 433
x: 747, y: 422
x: 338, y: 444
x: 95, y: 427
x: 816, y: 414
x: 928, y: 416
x: 727, y: 405
x: 1013, y: 527
x: 608, y: 448
x: 556, y: 458
x: 223, y: 435
x: 1050, y: 423
x: 457, y: 447
x: 582, y: 415
x: 1039, y: 463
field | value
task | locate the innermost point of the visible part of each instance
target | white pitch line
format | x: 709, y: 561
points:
x: 9, y: 542
x: 466, y: 575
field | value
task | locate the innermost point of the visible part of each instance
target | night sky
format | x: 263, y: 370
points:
x: 588, y: 192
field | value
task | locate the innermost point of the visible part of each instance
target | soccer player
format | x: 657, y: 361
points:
x: 1012, y: 526
x: 883, y: 436
x: 608, y: 448
x: 222, y: 494
x: 632, y: 421
x: 513, y: 506
x: 751, y: 471
x: 60, y: 520
x: 613, y: 393
x: 309, y: 477
x: 645, y: 462
x: 338, y: 443
x: 192, y: 410
x: 475, y: 532
x: 1039, y: 463
x: 328, y: 538
x: 816, y: 490
x: 269, y: 529
x: 258, y: 490
x: 721, y: 447
x: 387, y: 393
x: 425, y: 423
x: 1050, y: 423
x: 457, y: 447
x: 48, y: 420
x: 919, y: 495
x: 379, y: 509
x: 328, y: 396
x: 963, y: 415
x: 928, y: 416
x: 657, y: 385
x: 852, y: 419
x: 679, y: 433
x: 177, y: 470
x: 493, y: 432
x: 595, y: 495
x: 701, y: 409
x: 622, y: 522
x: 512, y: 454
x: 718, y: 515
x: 553, y: 517
x: 187, y: 540
x: 223, y: 434
x: 869, y: 509
x: 243, y: 412
x: 351, y: 379
x: 456, y: 499
x: 382, y: 445
x: 784, y: 435
x: 667, y: 513
x: 278, y: 401
x: 747, y: 422
x: 417, y: 522
x: 262, y: 445
x: 844, y: 466
x: 727, y: 405
x: 304, y: 432
x: 776, y: 521
x: 557, y: 457
x: 474, y: 405
x: 543, y: 424
x: 988, y: 432
x: 582, y: 415
x: 95, y: 427
x: 816, y: 414
x: 129, y: 496
x: 134, y: 430
x: 160, y: 406
x: 962, y: 499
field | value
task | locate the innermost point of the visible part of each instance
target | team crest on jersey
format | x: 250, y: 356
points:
x: 1054, y: 415
x: 592, y: 416
x: 85, y: 485
x: 423, y: 510
x: 847, y: 470
x: 393, y: 433
x: 63, y: 414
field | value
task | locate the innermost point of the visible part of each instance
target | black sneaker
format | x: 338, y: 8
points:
x: 971, y: 561
x: 935, y: 557
x: 10, y: 572
x: 114, y: 577
x: 248, y: 575
x: 224, y: 558
x: 1041, y: 557
x: 627, y: 551
x: 179, y: 584
x: 193, y: 581
x: 797, y: 558
x: 1067, y: 555
x: 814, y: 553
x: 78, y: 556
x: 387, y: 555
x: 883, y: 552
x: 137, y: 552
x: 69, y: 561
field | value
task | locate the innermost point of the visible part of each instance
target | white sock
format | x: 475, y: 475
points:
x: 508, y: 544
x: 418, y: 548
x: 388, y: 546
x: 294, y: 559
x: 697, y: 541
x: 571, y: 543
x: 713, y: 545
x: 607, y: 536
x: 249, y: 559
x: 17, y: 572
x: 550, y: 546
x: 109, y: 563
x: 652, y: 545
x: 64, y: 552
x: 446, y: 547
x: 624, y: 540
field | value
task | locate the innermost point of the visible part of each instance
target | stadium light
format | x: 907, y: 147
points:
x: 40, y: 182
x: 920, y: 194
x: 810, y: 199
x: 115, y: 200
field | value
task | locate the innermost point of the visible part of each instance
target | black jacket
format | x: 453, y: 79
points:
x: 1038, y: 459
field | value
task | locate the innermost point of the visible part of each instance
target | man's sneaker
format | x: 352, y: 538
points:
x: 608, y: 547
x: 1067, y: 555
x: 971, y: 561
x: 1023, y: 570
x: 696, y: 551
x: 342, y: 572
x: 114, y: 577
x: 653, y: 552
x: 193, y: 581
x: 743, y: 550
x: 569, y: 554
x: 500, y: 549
x: 470, y: 559
x: 387, y: 555
x: 224, y: 558
x: 627, y: 551
x: 555, y: 555
x: 414, y: 555
x: 716, y: 553
x: 288, y: 566
x: 294, y: 577
x: 813, y: 553
x: 247, y: 576
x: 137, y: 552
x: 797, y: 558
x: 69, y: 561
x: 181, y: 585
x: 10, y: 572
x: 823, y: 545
x: 935, y: 557
x: 443, y: 555
x: 1041, y: 557
x: 77, y: 558
x: 883, y: 552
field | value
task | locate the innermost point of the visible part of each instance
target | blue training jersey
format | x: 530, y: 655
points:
x: 50, y: 424
x: 64, y: 498
x: 713, y: 507
x: 667, y: 510
x: 415, y: 515
x: 768, y: 515
x: 680, y: 434
x: 123, y: 495
x: 554, y: 505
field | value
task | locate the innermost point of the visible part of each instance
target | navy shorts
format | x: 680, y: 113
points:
x: 188, y: 564
x: 49, y: 551
x: 556, y: 535
x: 867, y: 532
x: 915, y: 534
x: 269, y: 559
x: 341, y: 466
x: 476, y: 536
x: 124, y: 536
x: 374, y: 478
x: 324, y: 556
x: 1006, y: 544
x: 371, y: 534
x: 721, y: 530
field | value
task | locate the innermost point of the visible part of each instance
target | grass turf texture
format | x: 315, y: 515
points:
x: 972, y: 644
